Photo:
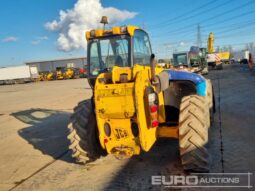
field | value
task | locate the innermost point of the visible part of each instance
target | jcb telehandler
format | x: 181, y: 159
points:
x: 135, y: 103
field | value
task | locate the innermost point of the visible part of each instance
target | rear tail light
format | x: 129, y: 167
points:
x: 154, y: 115
x: 153, y: 108
x: 154, y: 123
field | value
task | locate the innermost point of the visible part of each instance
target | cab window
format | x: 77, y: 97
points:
x: 142, y: 48
x: 109, y: 52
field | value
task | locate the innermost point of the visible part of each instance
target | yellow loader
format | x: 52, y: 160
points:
x: 135, y: 103
x: 51, y: 76
x: 60, y: 73
x: 69, y: 73
x: 72, y: 73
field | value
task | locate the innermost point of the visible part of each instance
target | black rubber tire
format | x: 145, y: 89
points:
x: 193, y: 134
x: 83, y: 136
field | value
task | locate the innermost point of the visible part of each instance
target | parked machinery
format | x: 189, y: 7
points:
x: 83, y: 72
x: 50, y: 76
x: 72, y: 73
x: 60, y: 73
x: 135, y: 103
x: 194, y: 60
x: 216, y: 59
x: 42, y: 76
x: 69, y: 73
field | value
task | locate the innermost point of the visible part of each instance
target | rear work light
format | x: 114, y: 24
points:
x: 152, y: 97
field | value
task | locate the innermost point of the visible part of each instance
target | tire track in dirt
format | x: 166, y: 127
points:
x: 220, y: 122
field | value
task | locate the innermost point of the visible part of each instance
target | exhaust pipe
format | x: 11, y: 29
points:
x: 153, y: 65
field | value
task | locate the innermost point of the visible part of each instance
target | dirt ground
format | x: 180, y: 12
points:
x: 34, y: 148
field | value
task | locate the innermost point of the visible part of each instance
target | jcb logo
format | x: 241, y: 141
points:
x: 121, y: 133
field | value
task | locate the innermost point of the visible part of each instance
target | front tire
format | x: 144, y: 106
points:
x: 83, y: 136
x: 193, y: 134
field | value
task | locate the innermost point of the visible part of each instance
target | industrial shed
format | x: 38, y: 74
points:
x: 51, y: 65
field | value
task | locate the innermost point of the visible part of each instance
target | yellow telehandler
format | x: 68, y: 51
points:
x: 135, y: 103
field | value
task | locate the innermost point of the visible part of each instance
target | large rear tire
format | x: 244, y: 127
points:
x: 193, y: 133
x: 83, y: 136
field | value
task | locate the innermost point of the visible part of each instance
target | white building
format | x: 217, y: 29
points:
x: 51, y: 65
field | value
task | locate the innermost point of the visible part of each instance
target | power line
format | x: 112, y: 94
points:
x: 236, y: 34
x: 235, y: 25
x: 238, y: 26
x: 184, y: 14
x: 184, y: 29
x: 198, y: 13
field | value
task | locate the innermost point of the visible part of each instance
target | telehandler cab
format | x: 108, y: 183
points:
x: 135, y: 103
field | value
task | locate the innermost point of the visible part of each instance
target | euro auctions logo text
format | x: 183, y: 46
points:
x: 174, y: 180
x: 204, y: 180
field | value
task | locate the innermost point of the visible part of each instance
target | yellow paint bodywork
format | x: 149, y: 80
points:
x: 120, y: 105
x: 50, y: 76
x: 170, y: 132
x: 69, y: 73
x: 147, y: 134
x: 117, y: 71
x: 115, y: 106
x: 224, y: 55
x: 59, y: 75
x: 119, y: 98
x: 130, y: 30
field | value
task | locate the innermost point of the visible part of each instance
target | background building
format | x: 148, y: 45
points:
x: 51, y: 65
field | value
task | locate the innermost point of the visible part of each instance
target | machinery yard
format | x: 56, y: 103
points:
x: 105, y: 95
x: 35, y: 157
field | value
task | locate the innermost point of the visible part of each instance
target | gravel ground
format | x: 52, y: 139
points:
x: 34, y: 148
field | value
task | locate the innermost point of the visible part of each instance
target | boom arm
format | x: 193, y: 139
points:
x: 210, y: 43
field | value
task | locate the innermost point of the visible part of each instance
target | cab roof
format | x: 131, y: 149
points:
x: 119, y: 30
